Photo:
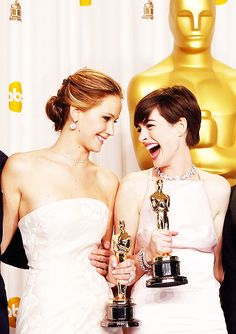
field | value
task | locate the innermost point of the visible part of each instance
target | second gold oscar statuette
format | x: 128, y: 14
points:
x: 165, y: 268
x: 120, y: 309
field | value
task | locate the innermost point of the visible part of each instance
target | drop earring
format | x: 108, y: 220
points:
x: 73, y: 125
x: 180, y: 133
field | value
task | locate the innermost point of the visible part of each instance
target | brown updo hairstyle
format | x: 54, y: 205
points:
x: 83, y: 90
x: 172, y: 103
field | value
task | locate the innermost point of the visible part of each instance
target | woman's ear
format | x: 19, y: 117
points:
x: 74, y: 114
x: 181, y: 126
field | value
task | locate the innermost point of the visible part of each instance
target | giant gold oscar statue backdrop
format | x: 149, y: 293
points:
x: 214, y: 83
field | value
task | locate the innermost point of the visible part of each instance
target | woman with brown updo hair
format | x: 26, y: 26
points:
x: 63, y: 205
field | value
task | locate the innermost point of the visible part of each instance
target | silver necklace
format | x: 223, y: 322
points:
x: 75, y: 161
x: 185, y: 176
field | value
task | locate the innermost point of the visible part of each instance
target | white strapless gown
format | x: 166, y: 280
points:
x: 64, y: 293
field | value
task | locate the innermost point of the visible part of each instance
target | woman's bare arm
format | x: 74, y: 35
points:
x: 10, y: 181
x: 218, y: 192
x: 99, y: 257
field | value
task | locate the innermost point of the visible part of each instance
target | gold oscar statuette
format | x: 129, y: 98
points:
x: 120, y: 309
x: 15, y: 12
x: 165, y: 268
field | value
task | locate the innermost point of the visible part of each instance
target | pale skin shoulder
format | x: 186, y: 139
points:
x: 99, y: 257
x: 25, y: 172
x: 218, y: 193
x: 15, y: 174
x: 129, y: 201
x: 102, y: 258
x: 128, y: 204
x: 109, y: 182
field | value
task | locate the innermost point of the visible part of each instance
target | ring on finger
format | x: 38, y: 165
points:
x: 131, y: 276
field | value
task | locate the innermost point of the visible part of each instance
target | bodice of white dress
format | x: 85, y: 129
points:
x: 64, y: 293
x: 191, y: 308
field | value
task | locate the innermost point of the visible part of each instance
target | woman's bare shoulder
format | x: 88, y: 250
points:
x: 139, y: 176
x: 23, y: 161
x: 213, y: 178
x: 135, y: 182
x: 216, y: 184
x: 106, y: 177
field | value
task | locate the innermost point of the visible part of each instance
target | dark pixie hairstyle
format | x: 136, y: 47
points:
x: 83, y: 90
x: 172, y: 103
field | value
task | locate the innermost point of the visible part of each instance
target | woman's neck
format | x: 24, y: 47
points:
x: 180, y: 165
x: 66, y: 146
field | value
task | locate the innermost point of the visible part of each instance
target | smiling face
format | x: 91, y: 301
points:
x: 97, y: 124
x: 192, y: 23
x: 161, y: 139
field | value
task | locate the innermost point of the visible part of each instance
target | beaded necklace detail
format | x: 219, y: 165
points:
x: 185, y: 176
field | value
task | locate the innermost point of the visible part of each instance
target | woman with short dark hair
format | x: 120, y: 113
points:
x: 168, y: 122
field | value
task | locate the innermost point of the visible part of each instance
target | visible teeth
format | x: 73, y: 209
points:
x: 100, y: 138
x: 149, y: 147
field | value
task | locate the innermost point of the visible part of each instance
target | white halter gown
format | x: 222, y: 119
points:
x: 195, y: 307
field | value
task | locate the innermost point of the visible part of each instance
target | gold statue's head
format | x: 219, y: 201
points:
x: 159, y: 185
x: 121, y: 226
x: 192, y: 23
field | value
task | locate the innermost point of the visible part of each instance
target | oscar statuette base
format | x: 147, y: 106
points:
x: 166, y: 273
x: 120, y: 314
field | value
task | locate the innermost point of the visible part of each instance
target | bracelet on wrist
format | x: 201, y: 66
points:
x: 144, y: 265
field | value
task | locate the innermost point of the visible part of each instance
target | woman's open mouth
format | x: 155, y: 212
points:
x: 153, y: 150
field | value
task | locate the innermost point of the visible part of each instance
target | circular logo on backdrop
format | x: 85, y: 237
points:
x: 15, y: 96
x: 13, y: 306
